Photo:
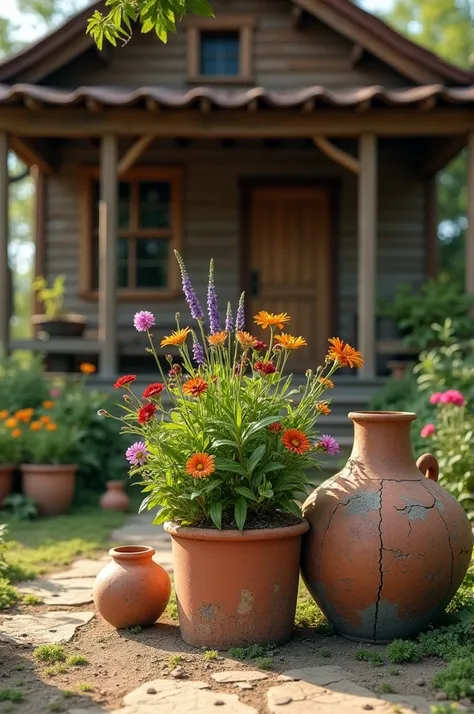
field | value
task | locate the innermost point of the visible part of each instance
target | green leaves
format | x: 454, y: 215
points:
x: 240, y: 513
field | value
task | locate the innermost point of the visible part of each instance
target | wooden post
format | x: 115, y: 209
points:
x: 108, y: 256
x: 367, y: 253
x: 5, y: 281
x: 470, y: 218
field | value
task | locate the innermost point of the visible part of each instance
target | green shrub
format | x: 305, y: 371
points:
x: 11, y: 695
x: 447, y: 642
x: 23, y: 383
x: 246, y: 653
x: 9, y: 596
x: 365, y: 655
x: 76, y: 661
x: 400, y: 651
x: 52, y: 654
x: 457, y: 680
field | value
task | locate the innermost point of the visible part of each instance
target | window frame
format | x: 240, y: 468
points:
x: 244, y: 25
x: 169, y: 174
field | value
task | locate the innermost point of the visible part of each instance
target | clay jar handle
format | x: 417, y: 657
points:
x: 429, y: 467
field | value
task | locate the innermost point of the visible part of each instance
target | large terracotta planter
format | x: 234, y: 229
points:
x: 132, y: 590
x: 50, y: 486
x: 388, y: 547
x: 236, y: 588
x: 6, y: 481
x: 114, y: 499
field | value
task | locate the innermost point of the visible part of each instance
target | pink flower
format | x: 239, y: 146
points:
x: 329, y: 444
x: 453, y: 396
x: 55, y: 392
x: 137, y: 453
x: 427, y: 430
x: 435, y: 398
x: 143, y: 320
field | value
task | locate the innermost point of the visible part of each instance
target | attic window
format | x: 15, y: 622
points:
x: 220, y: 50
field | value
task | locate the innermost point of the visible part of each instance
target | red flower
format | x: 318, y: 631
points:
x: 259, y: 346
x: 146, y: 413
x: 175, y: 370
x: 276, y: 427
x: 153, y: 390
x: 125, y: 381
x: 264, y: 367
x: 295, y: 441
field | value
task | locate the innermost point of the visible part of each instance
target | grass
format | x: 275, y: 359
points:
x: 308, y: 613
x: 9, y: 596
x: 393, y: 671
x: 19, y: 667
x: 134, y: 630
x: 247, y: 653
x: 362, y: 654
x: 264, y: 663
x: 325, y: 652
x: 175, y: 660
x: 32, y: 600
x: 68, y: 693
x: 210, y: 655
x: 11, y: 695
x: 457, y: 680
x: 55, y: 707
x: 386, y: 688
x: 76, y: 661
x: 172, y: 608
x: 85, y: 687
x: 400, y: 651
x: 52, y: 654
x: 55, y: 670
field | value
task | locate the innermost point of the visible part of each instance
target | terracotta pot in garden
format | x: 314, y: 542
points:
x: 132, y: 590
x: 51, y: 486
x: 6, y: 481
x: 236, y: 588
x: 114, y: 499
x: 388, y: 547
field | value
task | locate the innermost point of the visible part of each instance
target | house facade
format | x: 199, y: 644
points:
x: 296, y: 142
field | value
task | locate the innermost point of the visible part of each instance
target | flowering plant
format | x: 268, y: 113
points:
x: 10, y: 445
x: 222, y: 436
x: 44, y: 440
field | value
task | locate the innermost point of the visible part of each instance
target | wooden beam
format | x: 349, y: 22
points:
x: 283, y: 123
x: 367, y: 253
x: 31, y: 155
x: 337, y: 155
x: 355, y: 55
x: 431, y: 227
x: 108, y: 255
x: 364, y: 106
x: 93, y: 105
x: 134, y: 153
x: 205, y: 105
x: 426, y: 105
x: 470, y: 217
x: 39, y: 227
x: 308, y: 106
x: 152, y: 105
x: 440, y: 153
x: 5, y: 281
x: 253, y: 105
x: 297, y: 17
x: 32, y: 104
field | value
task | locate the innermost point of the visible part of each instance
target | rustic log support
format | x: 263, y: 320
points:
x: 134, y: 153
x: 205, y: 105
x: 356, y: 55
x: 364, y: 106
x: 337, y: 155
x: 31, y: 155
x: 440, y: 153
x: 308, y: 105
x: 32, y: 104
x: 252, y: 105
x: 297, y: 14
x: 426, y: 105
x: 470, y: 218
x: 39, y: 227
x: 93, y: 106
x: 5, y: 282
x: 152, y: 105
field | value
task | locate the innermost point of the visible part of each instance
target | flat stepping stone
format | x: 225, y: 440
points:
x: 238, y: 675
x: 69, y: 591
x: 178, y: 697
x: 44, y: 628
x: 412, y: 703
x: 84, y: 568
x: 331, y: 676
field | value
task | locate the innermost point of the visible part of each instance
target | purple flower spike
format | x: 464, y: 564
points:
x: 143, y: 320
x: 198, y: 353
x: 137, y: 454
x: 191, y: 298
x: 229, y: 320
x: 240, y: 317
x: 212, y: 306
x: 329, y: 444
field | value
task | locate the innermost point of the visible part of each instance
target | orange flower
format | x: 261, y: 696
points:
x: 326, y: 382
x: 177, y: 338
x: 269, y: 319
x: 288, y: 342
x: 35, y: 425
x: 48, y: 404
x: 24, y: 415
x: 218, y: 338
x: 295, y: 441
x: 200, y: 465
x: 11, y: 423
x: 195, y: 387
x: 16, y: 433
x: 87, y: 368
x: 51, y: 426
x: 323, y: 408
x: 4, y: 414
x: 246, y: 339
x: 45, y: 419
x: 344, y: 354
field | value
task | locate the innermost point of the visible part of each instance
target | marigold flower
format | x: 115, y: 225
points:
x: 45, y: 419
x: 48, y: 404
x: 177, y: 338
x: 276, y: 427
x: 146, y: 413
x: 329, y: 444
x: 288, y: 342
x: 4, y: 414
x: 453, y: 396
x: 200, y: 465
x: 427, y: 430
x: 264, y: 367
x: 153, y: 390
x: 143, y: 320
x: 35, y: 425
x: 16, y: 433
x: 217, y: 339
x: 137, y: 453
x: 24, y: 415
x: 195, y: 387
x: 344, y: 354
x: 246, y: 339
x: 326, y: 382
x: 11, y: 423
x: 51, y: 426
x: 87, y: 368
x: 323, y: 408
x: 125, y: 381
x: 295, y: 441
x: 269, y: 319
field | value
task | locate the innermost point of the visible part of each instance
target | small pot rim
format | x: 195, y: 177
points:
x: 131, y: 552
x: 50, y: 468
x: 114, y: 482
x: 212, y: 534
x: 40, y: 319
x: 7, y: 467
x: 382, y: 416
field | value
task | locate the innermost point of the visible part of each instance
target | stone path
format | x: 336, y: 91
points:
x: 311, y: 690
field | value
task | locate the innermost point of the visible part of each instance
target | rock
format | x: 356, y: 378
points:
x: 238, y: 675
x: 412, y: 703
x: 84, y: 568
x: 178, y: 673
x: 39, y: 625
x: 367, y: 707
x: 281, y: 699
x: 332, y: 677
x: 441, y: 697
x: 219, y: 703
x: 420, y: 682
x: 311, y: 699
x: 151, y: 690
x: 244, y: 686
x: 70, y: 591
x: 284, y: 678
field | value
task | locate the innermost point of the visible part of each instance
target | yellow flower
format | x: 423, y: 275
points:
x: 4, y: 414
x: 51, y: 426
x: 48, y: 404
x: 35, y: 425
x: 87, y: 368
x: 16, y: 433
x: 45, y: 419
x: 177, y: 338
x: 288, y: 342
x: 246, y: 339
x: 11, y: 423
x: 269, y: 319
x: 217, y: 339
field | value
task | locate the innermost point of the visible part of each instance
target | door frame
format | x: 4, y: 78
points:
x: 247, y: 186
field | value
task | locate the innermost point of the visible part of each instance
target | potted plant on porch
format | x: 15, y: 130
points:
x: 10, y: 451
x: 55, y: 322
x: 225, y: 459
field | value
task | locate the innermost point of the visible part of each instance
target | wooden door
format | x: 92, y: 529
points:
x: 290, y: 263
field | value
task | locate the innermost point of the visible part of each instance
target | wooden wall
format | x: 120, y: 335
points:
x: 212, y: 219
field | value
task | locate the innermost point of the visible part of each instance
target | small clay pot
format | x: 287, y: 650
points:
x: 51, y: 486
x: 132, y: 589
x: 236, y: 588
x: 114, y: 499
x: 6, y: 481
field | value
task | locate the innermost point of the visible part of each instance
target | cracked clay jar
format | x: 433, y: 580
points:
x: 388, y: 547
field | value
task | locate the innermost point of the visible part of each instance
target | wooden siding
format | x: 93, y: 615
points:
x: 212, y: 221
x: 283, y: 56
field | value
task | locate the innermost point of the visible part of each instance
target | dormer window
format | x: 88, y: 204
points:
x: 220, y: 50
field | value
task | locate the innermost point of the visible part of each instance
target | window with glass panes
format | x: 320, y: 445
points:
x: 220, y: 54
